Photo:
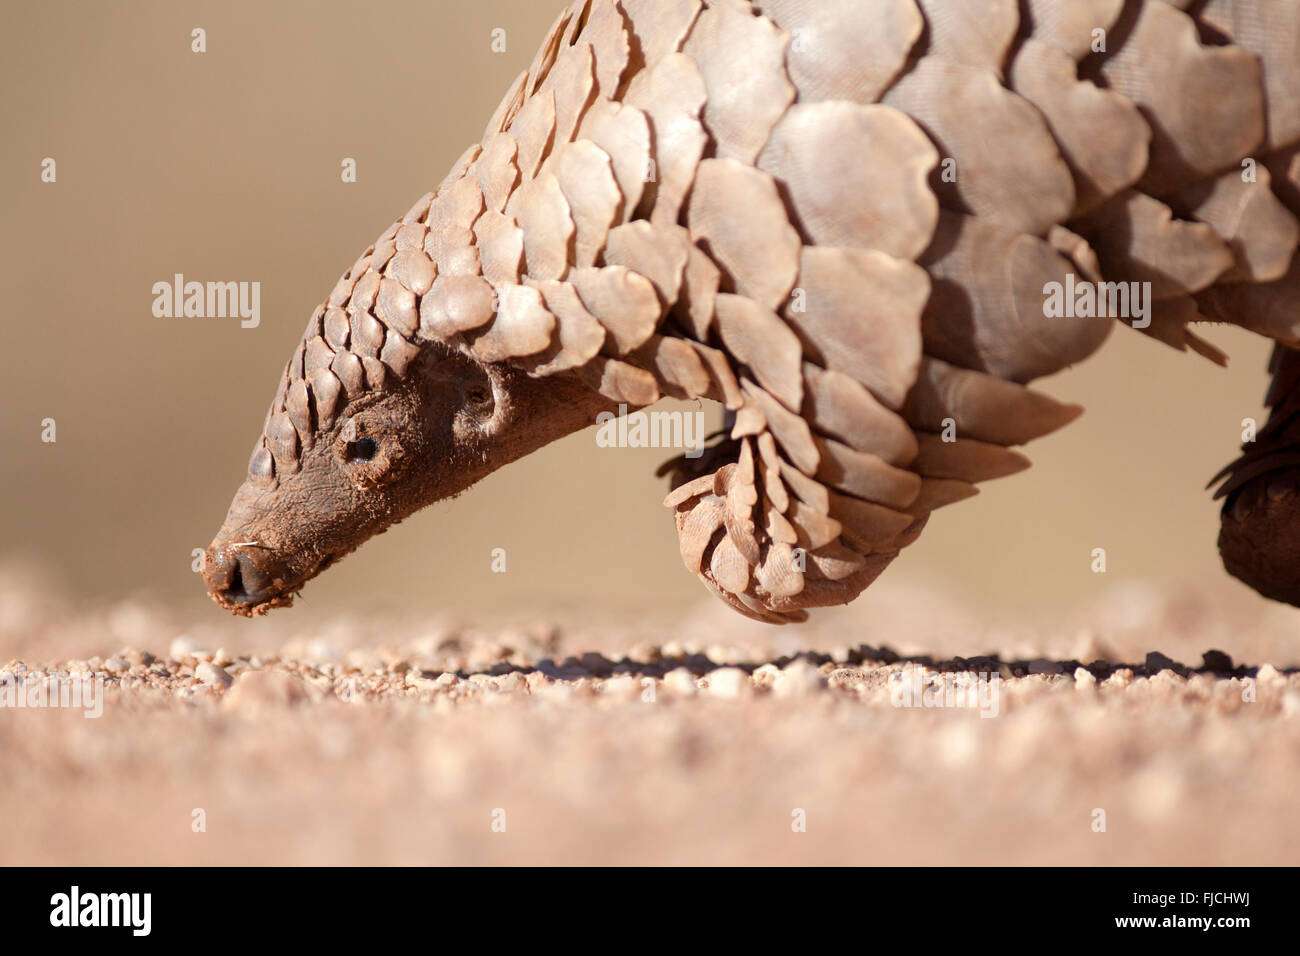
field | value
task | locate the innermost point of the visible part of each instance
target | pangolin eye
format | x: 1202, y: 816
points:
x: 363, y: 449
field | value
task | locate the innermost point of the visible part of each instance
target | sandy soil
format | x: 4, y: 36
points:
x: 687, y: 738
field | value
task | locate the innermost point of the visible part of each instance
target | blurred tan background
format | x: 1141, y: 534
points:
x: 225, y: 166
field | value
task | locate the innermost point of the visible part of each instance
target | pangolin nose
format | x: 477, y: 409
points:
x: 234, y: 576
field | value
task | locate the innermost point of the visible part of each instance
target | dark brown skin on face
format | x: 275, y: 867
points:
x: 450, y: 422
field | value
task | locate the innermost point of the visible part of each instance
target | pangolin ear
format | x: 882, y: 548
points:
x: 369, y: 453
x: 469, y: 383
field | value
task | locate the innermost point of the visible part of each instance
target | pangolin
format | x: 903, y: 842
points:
x: 841, y: 220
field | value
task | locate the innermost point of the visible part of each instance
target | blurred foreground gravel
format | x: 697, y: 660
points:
x: 694, y: 737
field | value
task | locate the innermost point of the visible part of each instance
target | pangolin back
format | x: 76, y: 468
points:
x: 839, y: 219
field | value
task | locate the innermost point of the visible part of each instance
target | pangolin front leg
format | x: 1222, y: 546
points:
x: 840, y: 220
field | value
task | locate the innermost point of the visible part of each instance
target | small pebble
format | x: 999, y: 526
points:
x: 17, y: 668
x: 1120, y: 678
x: 845, y: 677
x: 680, y: 681
x: 511, y: 683
x: 1216, y: 661
x: 623, y: 687
x: 729, y: 683
x: 183, y: 646
x: 213, y: 675
x: 799, y: 679
x: 597, y: 664
x: 1158, y: 662
x: 422, y: 680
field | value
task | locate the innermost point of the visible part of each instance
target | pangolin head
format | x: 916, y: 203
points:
x: 312, y: 496
x: 368, y: 426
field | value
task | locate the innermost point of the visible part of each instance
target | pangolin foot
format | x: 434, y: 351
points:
x: 1259, y: 535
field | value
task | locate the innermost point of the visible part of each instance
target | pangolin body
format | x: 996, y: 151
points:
x: 838, y: 218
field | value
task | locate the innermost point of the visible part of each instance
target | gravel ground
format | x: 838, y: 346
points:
x: 688, y: 738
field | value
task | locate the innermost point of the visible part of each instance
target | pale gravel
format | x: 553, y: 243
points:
x: 691, y: 738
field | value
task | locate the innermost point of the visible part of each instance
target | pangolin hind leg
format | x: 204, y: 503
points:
x: 1259, y: 535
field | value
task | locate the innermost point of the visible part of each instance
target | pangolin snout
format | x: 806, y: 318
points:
x: 238, y: 578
